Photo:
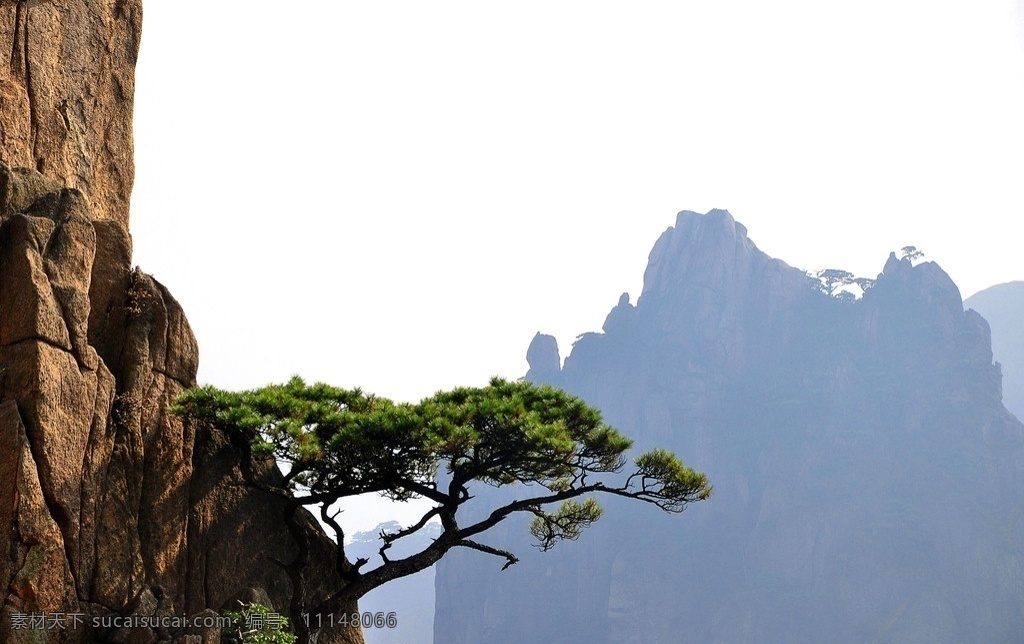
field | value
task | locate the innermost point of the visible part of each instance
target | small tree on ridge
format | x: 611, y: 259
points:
x: 911, y: 253
x: 831, y: 280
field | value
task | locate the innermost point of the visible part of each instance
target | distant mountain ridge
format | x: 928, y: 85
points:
x: 867, y: 477
x: 1003, y: 306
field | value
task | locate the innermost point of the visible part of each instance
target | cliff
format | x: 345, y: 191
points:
x: 67, y: 95
x: 109, y: 505
x: 1003, y: 307
x: 867, y: 477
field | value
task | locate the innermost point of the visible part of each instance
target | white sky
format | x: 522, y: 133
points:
x: 398, y: 195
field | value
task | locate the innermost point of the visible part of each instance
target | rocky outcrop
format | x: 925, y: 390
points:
x: 114, y: 499
x: 543, y: 357
x: 867, y: 477
x: 110, y: 506
x: 67, y: 94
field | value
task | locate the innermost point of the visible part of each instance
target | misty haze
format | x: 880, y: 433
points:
x: 370, y: 323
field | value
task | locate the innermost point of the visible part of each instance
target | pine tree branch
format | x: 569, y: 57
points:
x: 473, y: 545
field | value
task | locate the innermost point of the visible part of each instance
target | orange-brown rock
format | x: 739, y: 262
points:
x: 110, y: 506
x: 36, y: 575
x: 114, y: 498
x: 66, y: 95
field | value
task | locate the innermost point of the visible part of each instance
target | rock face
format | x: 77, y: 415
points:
x: 867, y: 477
x: 109, y: 505
x: 111, y: 500
x: 543, y: 357
x: 66, y: 98
x: 1003, y: 307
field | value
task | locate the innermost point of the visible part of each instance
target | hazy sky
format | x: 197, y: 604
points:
x: 398, y: 195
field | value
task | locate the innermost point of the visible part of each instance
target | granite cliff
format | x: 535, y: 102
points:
x: 109, y: 505
x: 867, y: 477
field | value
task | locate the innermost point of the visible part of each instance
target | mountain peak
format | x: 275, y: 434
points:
x: 702, y: 251
x: 827, y: 425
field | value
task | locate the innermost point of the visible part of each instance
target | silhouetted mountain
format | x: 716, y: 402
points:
x: 867, y: 478
x: 1003, y: 307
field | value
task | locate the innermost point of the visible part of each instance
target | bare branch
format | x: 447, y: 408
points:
x: 341, y: 565
x: 390, y: 570
x: 427, y: 491
x: 395, y: 536
x: 473, y: 545
x: 383, y: 551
